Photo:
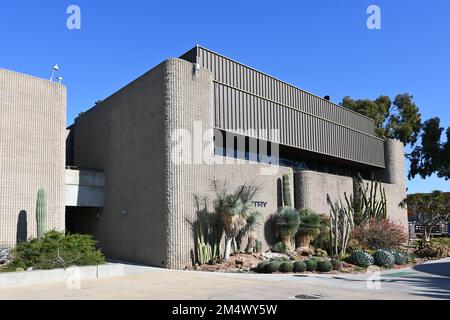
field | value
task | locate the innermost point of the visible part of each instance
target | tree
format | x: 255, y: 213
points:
x: 429, y: 209
x: 432, y: 155
x: 399, y: 119
x: 233, y: 210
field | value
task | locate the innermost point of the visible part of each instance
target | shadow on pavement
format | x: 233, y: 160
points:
x: 430, y: 280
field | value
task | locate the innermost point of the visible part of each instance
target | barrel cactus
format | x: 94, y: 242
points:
x: 286, y: 267
x: 272, y: 267
x: 337, y: 264
x: 262, y: 266
x: 362, y: 259
x: 299, y: 266
x: 384, y: 258
x: 311, y: 265
x: 324, y: 266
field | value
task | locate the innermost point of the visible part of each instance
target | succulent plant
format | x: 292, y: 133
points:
x: 299, y: 266
x: 324, y: 266
x: 311, y: 265
x: 287, y: 196
x: 362, y: 259
x: 280, y: 247
x: 337, y: 264
x: 41, y: 213
x: 383, y: 258
x: 320, y: 253
x: 261, y: 266
x: 400, y: 257
x: 272, y: 267
x: 286, y: 267
x: 258, y: 246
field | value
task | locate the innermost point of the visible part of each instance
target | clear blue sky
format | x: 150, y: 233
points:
x: 321, y: 46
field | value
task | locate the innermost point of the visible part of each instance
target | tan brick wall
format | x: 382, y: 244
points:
x: 32, y: 153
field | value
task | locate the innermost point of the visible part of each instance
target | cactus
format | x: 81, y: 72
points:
x: 324, y: 266
x: 41, y: 213
x: 311, y: 265
x: 366, y: 204
x: 280, y: 247
x: 337, y: 264
x: 287, y: 196
x: 272, y: 267
x: 362, y: 259
x: 400, y: 258
x: 384, y: 258
x: 258, y: 246
x: 286, y: 267
x: 261, y: 267
x: 341, y: 225
x: 299, y: 266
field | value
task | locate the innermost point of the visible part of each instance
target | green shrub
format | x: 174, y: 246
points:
x: 337, y: 264
x: 320, y: 253
x: 280, y: 247
x: 353, y: 245
x: 286, y: 267
x: 311, y: 265
x: 54, y: 250
x: 432, y: 250
x: 384, y: 258
x: 444, y: 241
x: 299, y: 266
x: 261, y: 266
x: 272, y: 267
x: 322, y: 241
x: 324, y: 266
x: 361, y: 259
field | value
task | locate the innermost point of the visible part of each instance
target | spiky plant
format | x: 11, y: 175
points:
x: 308, y: 229
x: 233, y: 210
x: 253, y: 223
x: 286, y: 221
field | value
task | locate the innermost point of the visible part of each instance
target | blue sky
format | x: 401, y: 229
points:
x: 321, y: 46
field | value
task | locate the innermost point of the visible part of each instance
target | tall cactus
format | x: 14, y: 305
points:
x: 41, y: 213
x: 287, y: 196
x: 369, y: 201
x: 341, y: 226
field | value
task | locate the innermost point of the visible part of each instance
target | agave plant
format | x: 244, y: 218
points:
x: 233, y: 210
x: 286, y: 221
x: 308, y: 229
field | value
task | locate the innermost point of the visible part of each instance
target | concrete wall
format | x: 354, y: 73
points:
x: 311, y: 189
x: 125, y: 136
x: 32, y: 153
x: 85, y: 188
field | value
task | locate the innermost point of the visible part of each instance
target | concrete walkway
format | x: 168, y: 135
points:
x: 426, y: 281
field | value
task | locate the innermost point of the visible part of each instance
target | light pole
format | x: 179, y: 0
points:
x: 55, y: 68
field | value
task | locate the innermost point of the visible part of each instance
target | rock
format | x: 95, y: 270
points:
x: 239, y: 263
x: 4, y: 255
x: 29, y: 269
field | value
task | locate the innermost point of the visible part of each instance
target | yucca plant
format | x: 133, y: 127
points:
x: 233, y: 210
x: 308, y: 229
x: 286, y: 221
x: 254, y: 222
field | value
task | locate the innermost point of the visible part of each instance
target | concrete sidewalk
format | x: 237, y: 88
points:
x: 426, y: 281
